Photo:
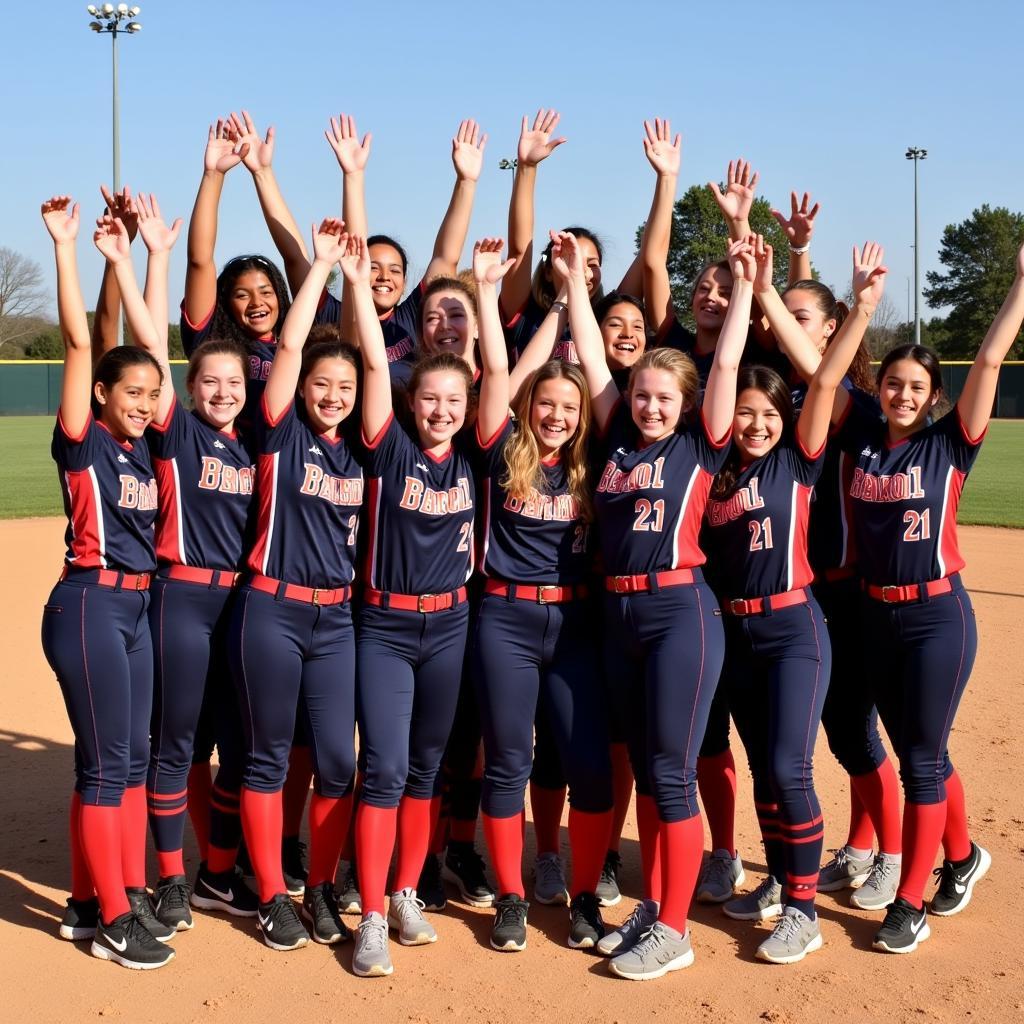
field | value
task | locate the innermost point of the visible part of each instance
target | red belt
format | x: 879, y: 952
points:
x: 307, y: 595
x: 109, y: 577
x: 415, y: 602
x: 545, y: 594
x: 641, y: 583
x: 910, y: 592
x: 207, y: 577
x: 759, y: 605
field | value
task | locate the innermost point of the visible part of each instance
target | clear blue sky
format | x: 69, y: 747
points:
x: 824, y: 97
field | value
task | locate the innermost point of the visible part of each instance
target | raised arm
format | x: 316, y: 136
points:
x: 108, y: 305
x: 540, y: 348
x: 799, y: 227
x: 737, y: 199
x: 663, y: 153
x: 975, y: 401
x: 488, y: 270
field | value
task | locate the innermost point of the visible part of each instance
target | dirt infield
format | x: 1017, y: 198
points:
x: 971, y: 969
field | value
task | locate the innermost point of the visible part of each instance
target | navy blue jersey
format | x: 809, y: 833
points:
x: 401, y: 326
x: 650, y: 501
x: 420, y: 508
x: 757, y: 537
x: 204, y: 480
x: 905, y: 496
x: 541, y: 539
x: 309, y: 490
x: 521, y: 326
x: 678, y: 337
x: 110, y: 499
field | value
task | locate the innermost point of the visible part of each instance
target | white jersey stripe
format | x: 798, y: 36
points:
x: 940, y: 536
x: 375, y: 512
x: 844, y: 550
x: 101, y: 533
x: 273, y: 509
x: 178, y: 512
x: 790, y: 539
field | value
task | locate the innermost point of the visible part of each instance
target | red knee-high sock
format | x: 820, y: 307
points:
x: 588, y: 841
x: 133, y: 837
x: 261, y: 822
x: 348, y: 849
x: 200, y: 789
x: 170, y: 862
x: 879, y: 793
x: 463, y: 830
x: 328, y: 824
x: 922, y: 833
x: 861, y: 835
x: 219, y: 859
x: 547, y: 806
x: 956, y: 839
x: 649, y: 828
x: 622, y: 785
x: 375, y: 842
x: 505, y: 841
x: 81, y: 878
x: 682, y: 847
x: 716, y: 780
x: 296, y: 789
x: 101, y: 844
x: 416, y: 820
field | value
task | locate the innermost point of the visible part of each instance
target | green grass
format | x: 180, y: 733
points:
x: 994, y: 495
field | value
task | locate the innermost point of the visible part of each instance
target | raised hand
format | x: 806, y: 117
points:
x: 122, y: 206
x: 344, y: 140
x: 662, y: 151
x: 256, y: 153
x: 111, y: 238
x: 355, y: 262
x: 536, y: 144
x: 468, y: 151
x: 155, y: 233
x: 61, y: 219
x: 735, y: 202
x: 566, y: 258
x: 488, y: 267
x: 742, y: 258
x: 221, y: 146
x: 868, y: 275
x: 763, y: 257
x: 330, y: 240
x: 800, y: 225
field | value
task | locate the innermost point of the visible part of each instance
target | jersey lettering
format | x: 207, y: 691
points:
x: 417, y: 497
x: 649, y: 517
x: 642, y: 476
x: 335, y: 489
x: 559, y: 507
x: 135, y: 494
x: 897, y: 487
x: 215, y: 476
x: 744, y: 500
x: 399, y: 351
x: 919, y: 525
x: 259, y: 368
x: 761, y: 534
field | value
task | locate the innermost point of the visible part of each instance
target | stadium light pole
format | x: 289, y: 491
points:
x: 916, y: 154
x: 504, y: 164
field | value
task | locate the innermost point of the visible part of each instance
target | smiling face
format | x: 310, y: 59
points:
x: 127, y: 407
x: 253, y: 303
x: 624, y: 334
x: 554, y: 414
x: 439, y: 407
x: 387, y: 278
x: 328, y: 393
x: 808, y: 314
x: 906, y: 396
x: 218, y: 390
x: 656, y: 402
x: 757, y: 424
x: 711, y: 299
x: 448, y: 324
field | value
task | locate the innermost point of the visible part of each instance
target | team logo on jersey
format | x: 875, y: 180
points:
x: 744, y: 500
x: 897, y: 487
x: 419, y: 465
x: 121, y: 457
x: 338, y: 490
x: 419, y: 498
x: 314, y: 449
x: 641, y: 477
x: 136, y: 493
x: 559, y: 507
x: 215, y: 476
x: 219, y: 444
x: 399, y: 351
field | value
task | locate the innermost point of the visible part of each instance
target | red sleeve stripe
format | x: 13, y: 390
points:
x: 378, y: 437
x: 266, y: 487
x: 685, y: 551
x: 973, y: 441
x: 88, y: 537
x: 489, y: 442
x: 714, y: 441
x: 798, y: 566
x: 85, y: 429
x: 202, y: 323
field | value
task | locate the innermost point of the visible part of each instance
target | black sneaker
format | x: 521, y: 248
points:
x: 80, y: 919
x: 279, y: 922
x: 585, y: 925
x: 170, y: 902
x: 320, y: 909
x: 350, y: 901
x: 607, y: 891
x: 128, y: 942
x: 464, y: 868
x: 225, y: 891
x: 430, y: 888
x: 142, y: 908
x: 956, y: 881
x: 509, y: 932
x: 903, y: 928
x: 293, y: 865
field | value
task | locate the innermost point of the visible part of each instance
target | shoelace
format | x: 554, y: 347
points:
x: 136, y: 931
x: 717, y: 871
x: 840, y: 858
x: 766, y: 887
x: 549, y: 872
x: 326, y: 901
x: 410, y: 908
x: 636, y: 920
x: 945, y: 877
x: 898, y: 915
x: 174, y: 896
x: 883, y: 869
x: 508, y: 912
x: 373, y: 935
x: 787, y: 928
x: 650, y: 940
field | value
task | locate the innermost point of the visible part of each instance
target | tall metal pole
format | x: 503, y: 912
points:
x: 917, y: 264
x: 116, y: 117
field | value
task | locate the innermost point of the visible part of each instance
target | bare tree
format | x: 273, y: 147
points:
x: 22, y: 296
x: 887, y: 328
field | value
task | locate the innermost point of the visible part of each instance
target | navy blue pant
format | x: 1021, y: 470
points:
x: 921, y: 657
x: 716, y: 735
x: 460, y: 783
x: 529, y: 656
x: 663, y: 655
x: 287, y: 654
x: 407, y: 687
x: 189, y: 624
x: 547, y: 771
x: 97, y: 641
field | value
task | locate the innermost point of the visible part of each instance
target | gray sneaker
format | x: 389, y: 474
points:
x: 879, y: 889
x: 549, y: 880
x: 628, y: 934
x: 405, y: 915
x: 844, y: 871
x: 721, y: 874
x: 370, y: 959
x: 764, y: 902
x: 662, y: 949
x: 794, y: 937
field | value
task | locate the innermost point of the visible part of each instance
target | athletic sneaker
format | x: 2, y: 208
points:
x: 430, y: 888
x: 509, y: 932
x: 956, y: 882
x: 721, y: 874
x: 279, y: 922
x: 371, y: 959
x: 464, y: 868
x: 628, y: 934
x: 879, y: 890
x: 142, y: 908
x: 844, y: 871
x: 320, y: 909
x: 405, y: 915
x: 549, y: 880
x: 903, y: 928
x: 586, y: 928
x: 128, y: 942
x: 764, y: 902
x: 224, y: 891
x: 662, y: 949
x: 293, y: 865
x: 349, y: 899
x: 170, y: 902
x: 794, y: 937
x: 80, y: 919
x: 608, y: 894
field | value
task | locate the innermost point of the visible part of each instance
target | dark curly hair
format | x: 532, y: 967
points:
x: 224, y: 325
